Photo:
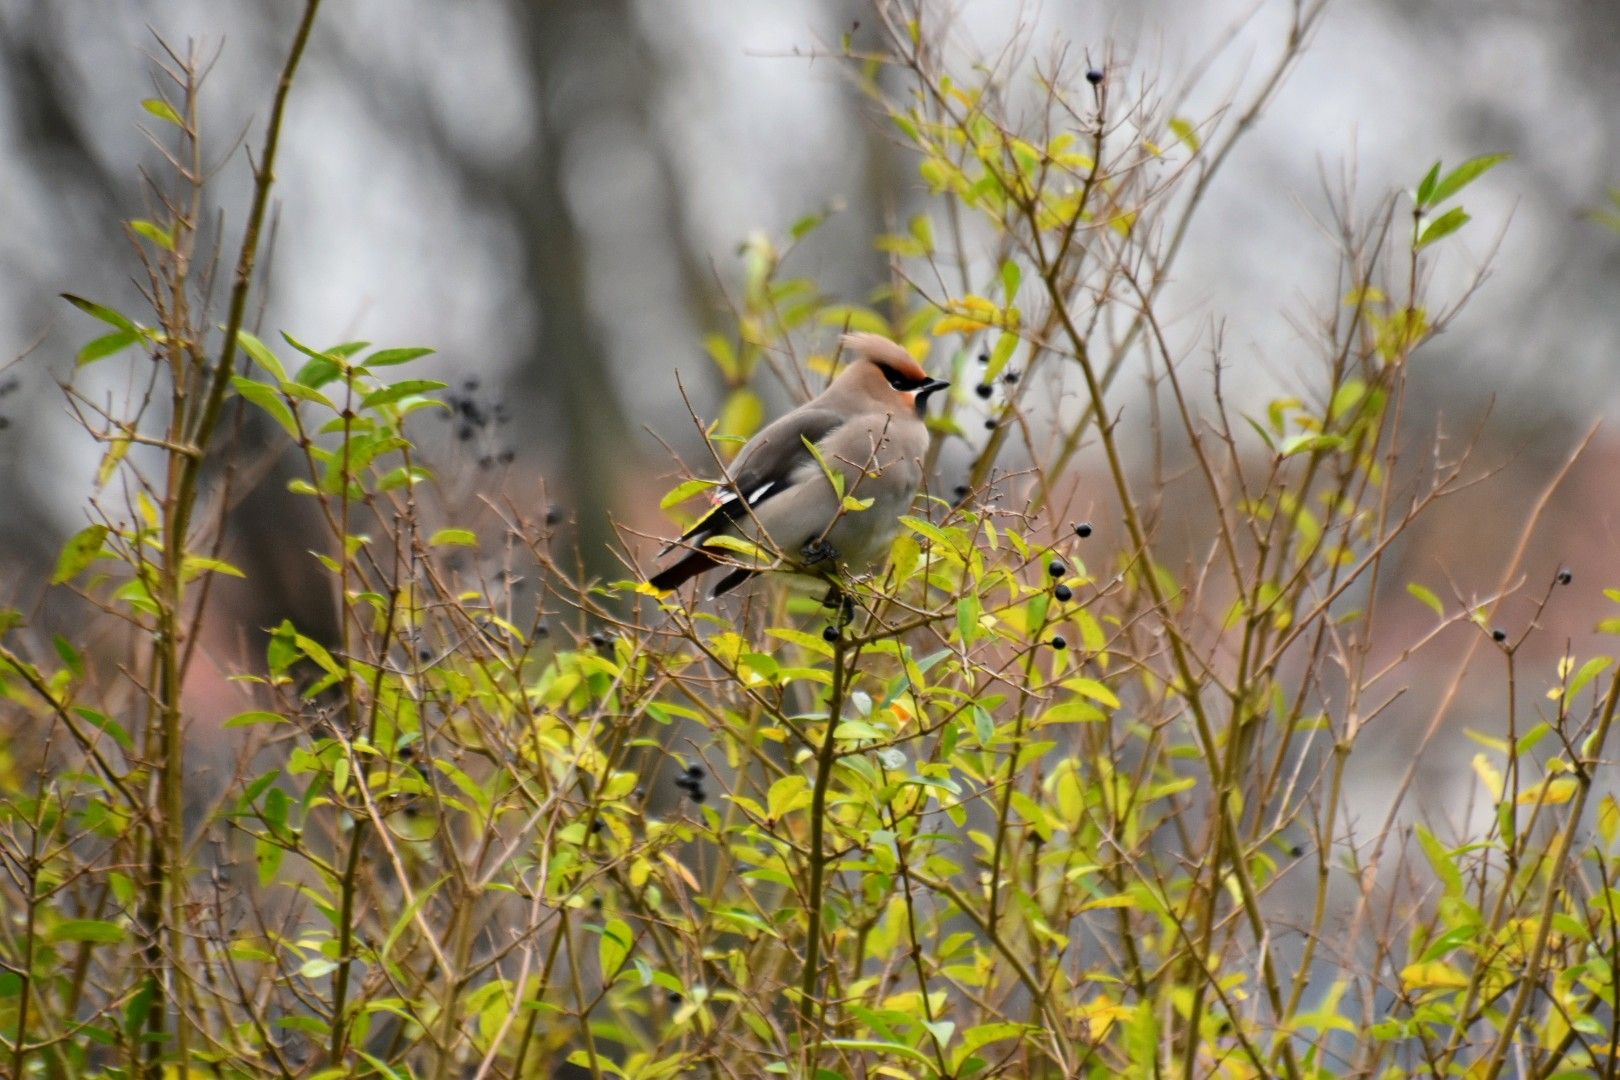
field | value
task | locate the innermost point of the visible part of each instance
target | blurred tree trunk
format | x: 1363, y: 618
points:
x: 588, y: 64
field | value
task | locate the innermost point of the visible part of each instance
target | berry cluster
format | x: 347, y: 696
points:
x: 691, y: 782
x: 986, y: 389
x: 1060, y: 591
x: 472, y: 415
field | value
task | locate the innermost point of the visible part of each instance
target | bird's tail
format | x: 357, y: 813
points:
x: 682, y: 570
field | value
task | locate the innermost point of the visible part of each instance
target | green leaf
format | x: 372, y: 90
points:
x: 252, y: 717
x: 1183, y: 129
x: 389, y: 357
x: 790, y: 793
x: 834, y: 477
x: 886, y: 1048
x: 402, y: 389
x: 1011, y: 278
x: 154, y: 232
x: 78, y: 553
x: 194, y: 566
x: 1425, y: 191
x: 1441, y: 861
x: 1587, y: 673
x: 282, y: 649
x: 738, y: 546
x: 99, y: 931
x: 805, y: 225
x: 454, y: 538
x: 105, y: 346
x: 683, y: 491
x: 70, y: 655
x: 1305, y: 444
x: 107, y: 725
x: 1444, y: 225
x: 321, y: 369
x: 409, y: 913
x: 269, y: 399
x: 382, y: 1066
x: 261, y: 354
x: 742, y: 414
x: 1463, y: 175
x: 613, y: 947
x: 102, y: 312
x: 1006, y: 345
x: 1427, y: 597
x: 163, y: 111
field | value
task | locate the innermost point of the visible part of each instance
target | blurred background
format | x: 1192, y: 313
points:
x: 553, y: 196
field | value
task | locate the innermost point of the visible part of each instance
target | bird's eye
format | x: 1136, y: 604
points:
x: 897, y: 380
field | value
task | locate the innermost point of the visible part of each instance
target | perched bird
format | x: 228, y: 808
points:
x: 867, y: 426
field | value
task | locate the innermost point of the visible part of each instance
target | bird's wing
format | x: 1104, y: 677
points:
x: 765, y: 467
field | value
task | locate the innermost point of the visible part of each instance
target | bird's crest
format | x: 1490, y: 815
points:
x: 879, y: 348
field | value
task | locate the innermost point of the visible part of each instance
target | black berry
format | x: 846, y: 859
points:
x: 1499, y: 635
x: 990, y: 424
x: 1565, y: 577
x: 694, y: 772
x: 1063, y: 593
x: 1056, y: 568
x: 961, y: 491
x: 984, y: 390
x: 1009, y: 377
x: 673, y: 997
x: 597, y: 824
x: 1083, y: 529
x: 984, y: 358
x: 697, y: 795
x: 601, y: 640
x: 639, y: 794
x: 1060, y: 642
x: 553, y: 515
x: 829, y: 633
x: 1094, y: 76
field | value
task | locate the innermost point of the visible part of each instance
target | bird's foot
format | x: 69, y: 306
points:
x: 838, y: 598
x: 818, y: 551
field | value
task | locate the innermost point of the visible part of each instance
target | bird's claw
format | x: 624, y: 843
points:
x: 818, y: 551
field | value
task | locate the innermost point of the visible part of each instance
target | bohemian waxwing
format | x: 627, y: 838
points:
x: 867, y: 426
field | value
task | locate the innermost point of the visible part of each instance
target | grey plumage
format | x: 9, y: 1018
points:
x: 868, y: 428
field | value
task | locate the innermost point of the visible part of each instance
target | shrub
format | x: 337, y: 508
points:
x: 1059, y: 801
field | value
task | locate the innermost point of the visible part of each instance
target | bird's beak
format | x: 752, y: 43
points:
x: 922, y: 392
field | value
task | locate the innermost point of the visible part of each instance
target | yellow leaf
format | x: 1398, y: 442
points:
x: 1489, y: 775
x: 679, y: 870
x: 1608, y: 819
x: 1100, y: 1014
x: 1554, y: 791
x: 1434, y: 975
x: 957, y: 324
